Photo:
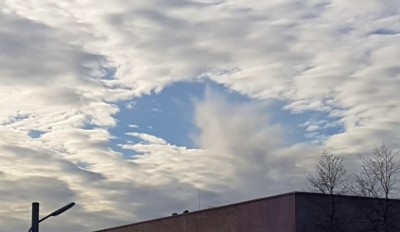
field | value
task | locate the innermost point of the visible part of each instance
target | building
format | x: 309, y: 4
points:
x: 290, y: 212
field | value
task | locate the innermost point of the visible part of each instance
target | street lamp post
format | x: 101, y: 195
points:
x: 35, y: 215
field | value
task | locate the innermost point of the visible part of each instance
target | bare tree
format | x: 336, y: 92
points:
x: 379, y: 174
x: 330, y: 177
x: 378, y: 178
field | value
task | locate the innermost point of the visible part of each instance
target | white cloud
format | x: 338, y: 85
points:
x: 249, y: 146
x: 147, y: 138
x: 57, y: 67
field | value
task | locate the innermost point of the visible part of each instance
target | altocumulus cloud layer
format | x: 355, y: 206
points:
x: 64, y: 66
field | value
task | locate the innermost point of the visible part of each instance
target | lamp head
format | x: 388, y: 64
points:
x: 62, y: 210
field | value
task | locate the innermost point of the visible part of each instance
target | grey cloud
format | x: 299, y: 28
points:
x: 34, y: 53
x: 36, y: 188
x: 314, y: 55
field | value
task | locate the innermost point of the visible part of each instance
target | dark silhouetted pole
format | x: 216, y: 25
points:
x: 35, y: 217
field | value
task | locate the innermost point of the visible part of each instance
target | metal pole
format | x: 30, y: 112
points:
x: 35, y: 217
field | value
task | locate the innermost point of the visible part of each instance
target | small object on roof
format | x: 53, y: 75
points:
x: 186, y: 211
x: 174, y: 214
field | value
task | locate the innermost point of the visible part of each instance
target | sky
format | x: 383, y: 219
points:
x: 138, y: 109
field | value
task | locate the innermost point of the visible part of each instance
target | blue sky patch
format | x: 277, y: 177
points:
x: 170, y: 116
x: 34, y: 134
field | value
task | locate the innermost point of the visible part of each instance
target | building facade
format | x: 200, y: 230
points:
x: 290, y: 212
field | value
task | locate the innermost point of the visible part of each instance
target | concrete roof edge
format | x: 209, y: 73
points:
x: 202, y: 210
